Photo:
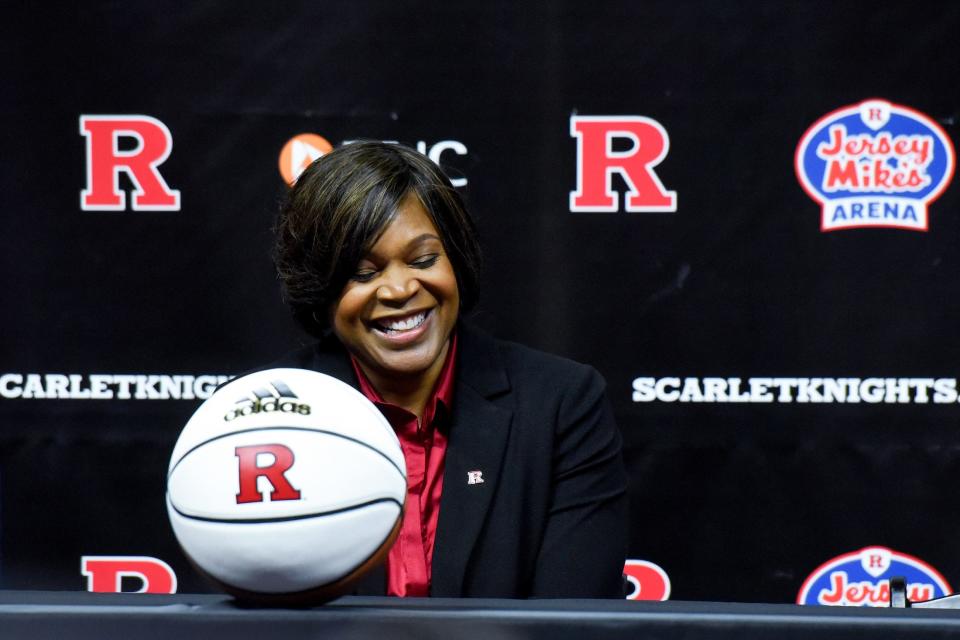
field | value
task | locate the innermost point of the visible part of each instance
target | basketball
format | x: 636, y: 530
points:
x: 286, y: 486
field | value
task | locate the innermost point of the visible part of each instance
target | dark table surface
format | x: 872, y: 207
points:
x: 45, y: 614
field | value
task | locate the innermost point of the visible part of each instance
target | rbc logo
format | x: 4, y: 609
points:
x: 862, y: 578
x: 874, y: 164
x: 303, y: 148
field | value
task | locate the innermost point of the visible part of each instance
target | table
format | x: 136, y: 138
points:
x: 41, y: 615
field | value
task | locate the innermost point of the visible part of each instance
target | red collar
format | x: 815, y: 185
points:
x: 442, y: 391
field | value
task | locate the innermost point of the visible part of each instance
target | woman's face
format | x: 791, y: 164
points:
x: 396, y: 313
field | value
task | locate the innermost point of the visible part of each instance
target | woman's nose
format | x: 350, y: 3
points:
x: 397, y: 286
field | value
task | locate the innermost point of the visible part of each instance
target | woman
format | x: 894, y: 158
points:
x: 516, y: 485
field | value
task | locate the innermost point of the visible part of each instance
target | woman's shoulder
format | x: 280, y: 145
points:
x: 326, y: 356
x: 300, y: 358
x: 527, y: 364
x: 548, y: 389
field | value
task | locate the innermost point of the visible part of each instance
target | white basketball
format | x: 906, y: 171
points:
x: 286, y: 482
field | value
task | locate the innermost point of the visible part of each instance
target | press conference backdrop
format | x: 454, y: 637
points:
x: 740, y: 213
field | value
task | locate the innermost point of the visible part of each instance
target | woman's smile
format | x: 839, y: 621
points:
x: 402, y: 329
x: 399, y: 324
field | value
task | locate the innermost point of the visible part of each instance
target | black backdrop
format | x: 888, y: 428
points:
x: 735, y: 500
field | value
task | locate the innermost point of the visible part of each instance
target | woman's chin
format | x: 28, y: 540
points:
x: 411, y: 361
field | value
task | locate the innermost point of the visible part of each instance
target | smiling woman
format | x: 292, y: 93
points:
x: 397, y: 312
x: 516, y: 485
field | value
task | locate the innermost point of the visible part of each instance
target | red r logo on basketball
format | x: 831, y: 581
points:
x: 274, y: 472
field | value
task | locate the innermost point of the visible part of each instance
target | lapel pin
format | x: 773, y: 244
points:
x: 475, y: 477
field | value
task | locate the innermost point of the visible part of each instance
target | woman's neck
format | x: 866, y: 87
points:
x: 408, y: 392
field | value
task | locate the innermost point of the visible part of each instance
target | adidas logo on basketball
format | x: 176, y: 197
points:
x: 275, y: 397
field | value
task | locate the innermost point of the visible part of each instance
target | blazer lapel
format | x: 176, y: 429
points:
x: 478, y: 435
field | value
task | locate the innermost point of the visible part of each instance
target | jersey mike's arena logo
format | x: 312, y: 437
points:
x: 275, y: 397
x: 874, y: 164
x: 862, y: 578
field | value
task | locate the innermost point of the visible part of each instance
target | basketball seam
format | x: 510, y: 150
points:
x: 307, y: 516
x: 290, y: 428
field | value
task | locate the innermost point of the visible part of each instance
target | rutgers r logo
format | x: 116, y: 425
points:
x: 147, y: 144
x: 878, y: 561
x: 598, y: 161
x: 106, y: 574
x: 278, y: 459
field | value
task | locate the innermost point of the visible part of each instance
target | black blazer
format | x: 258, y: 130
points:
x: 549, y: 518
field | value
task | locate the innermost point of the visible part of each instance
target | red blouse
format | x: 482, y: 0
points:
x: 424, y: 447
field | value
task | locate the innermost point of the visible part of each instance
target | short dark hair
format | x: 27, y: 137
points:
x: 339, y: 207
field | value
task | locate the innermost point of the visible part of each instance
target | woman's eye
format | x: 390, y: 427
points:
x: 425, y: 261
x: 364, y: 275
